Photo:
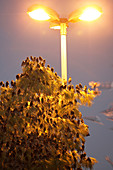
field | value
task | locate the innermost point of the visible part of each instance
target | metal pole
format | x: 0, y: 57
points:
x: 63, y: 52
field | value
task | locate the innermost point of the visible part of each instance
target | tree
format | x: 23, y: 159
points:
x: 41, y: 126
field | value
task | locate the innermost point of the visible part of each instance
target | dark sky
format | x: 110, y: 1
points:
x: 90, y: 56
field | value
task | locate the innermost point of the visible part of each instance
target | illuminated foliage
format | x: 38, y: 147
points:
x: 41, y: 126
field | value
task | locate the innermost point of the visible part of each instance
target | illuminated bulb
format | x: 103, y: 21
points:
x: 39, y: 14
x: 90, y: 14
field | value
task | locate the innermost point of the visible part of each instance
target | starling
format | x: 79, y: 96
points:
x: 56, y: 111
x: 64, y: 87
x: 82, y: 156
x: 88, y: 159
x: 1, y: 83
x: 77, y: 135
x: 78, y: 122
x: 77, y: 87
x: 31, y: 69
x: 52, y: 69
x: 17, y: 76
x: 40, y: 58
x: 62, y: 102
x: 41, y: 71
x: 75, y: 101
x: 27, y: 58
x: 37, y: 59
x: 58, y: 156
x: 19, y: 91
x: 73, y: 117
x: 65, y: 116
x: 22, y: 74
x: 82, y: 121
x: 44, y: 61
x: 77, y: 90
x: 56, y: 74
x: 7, y: 83
x: 47, y: 120
x: 70, y: 102
x: 12, y: 82
x: 13, y: 93
x: 69, y: 87
x: 23, y: 63
x: 31, y: 57
x: 42, y: 100
x: 88, y: 134
x: 44, y: 129
x: 51, y: 120
x: 72, y: 112
x: 31, y: 103
x: 22, y: 130
x: 69, y: 81
x: 85, y: 89
x: 21, y: 109
x: 80, y: 85
x: 61, y: 87
x: 47, y: 83
x: 64, y: 106
x: 83, y: 147
x: 43, y: 64
x: 44, y: 116
x: 26, y: 104
x: 41, y: 125
x: 38, y: 99
x: 54, y: 125
x: 38, y: 120
x: 38, y: 65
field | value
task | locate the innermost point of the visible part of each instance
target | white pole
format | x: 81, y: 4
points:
x: 63, y: 52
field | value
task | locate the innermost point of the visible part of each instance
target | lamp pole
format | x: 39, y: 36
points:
x: 40, y: 12
x: 63, y: 33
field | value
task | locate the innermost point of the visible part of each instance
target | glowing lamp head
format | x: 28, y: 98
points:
x: 87, y: 13
x: 42, y: 13
x: 90, y: 14
x: 39, y: 14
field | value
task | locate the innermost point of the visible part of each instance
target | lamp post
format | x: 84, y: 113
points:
x: 41, y: 13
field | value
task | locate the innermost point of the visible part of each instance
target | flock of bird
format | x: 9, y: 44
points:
x: 107, y: 112
x: 25, y: 95
x: 40, y: 124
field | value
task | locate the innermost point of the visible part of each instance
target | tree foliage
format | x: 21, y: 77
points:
x: 41, y: 126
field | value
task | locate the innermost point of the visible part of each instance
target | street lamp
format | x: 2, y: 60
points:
x: 43, y: 13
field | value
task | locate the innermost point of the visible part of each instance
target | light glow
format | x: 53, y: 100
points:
x: 56, y: 27
x: 39, y: 14
x: 90, y: 14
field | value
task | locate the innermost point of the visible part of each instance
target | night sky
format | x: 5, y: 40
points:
x: 90, y: 57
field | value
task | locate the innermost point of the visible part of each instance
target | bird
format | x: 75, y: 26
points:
x: 52, y: 69
x: 40, y: 58
x: 109, y: 160
x: 95, y: 119
x: 19, y: 91
x: 69, y: 80
x: 17, y: 76
x: 80, y: 85
x: 7, y: 83
x: 1, y: 83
